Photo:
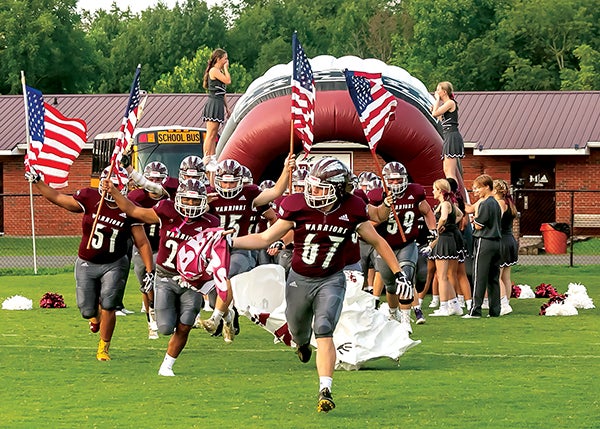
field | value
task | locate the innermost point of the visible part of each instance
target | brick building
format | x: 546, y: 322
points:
x: 536, y: 141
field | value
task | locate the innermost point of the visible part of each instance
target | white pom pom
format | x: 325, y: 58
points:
x: 526, y: 292
x: 577, y: 296
x: 558, y: 309
x: 17, y: 302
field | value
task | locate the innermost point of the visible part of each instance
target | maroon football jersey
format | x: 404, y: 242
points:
x: 174, y: 229
x: 352, y: 250
x: 407, y: 208
x: 320, y: 238
x: 143, y: 199
x: 112, y: 233
x: 236, y: 213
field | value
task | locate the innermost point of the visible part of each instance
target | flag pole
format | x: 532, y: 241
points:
x: 112, y: 167
x: 385, y: 189
x: 30, y: 184
x: 291, y: 152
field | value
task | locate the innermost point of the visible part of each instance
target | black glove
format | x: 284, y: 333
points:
x: 433, y: 233
x: 147, y: 282
x: 32, y: 176
x: 125, y: 160
x: 404, y: 288
x: 277, y: 245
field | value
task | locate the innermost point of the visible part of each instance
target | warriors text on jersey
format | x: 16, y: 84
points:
x: 320, y: 238
x: 407, y: 208
x: 113, y: 230
x: 175, y: 229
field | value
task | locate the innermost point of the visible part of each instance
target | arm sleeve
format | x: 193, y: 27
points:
x: 148, y: 185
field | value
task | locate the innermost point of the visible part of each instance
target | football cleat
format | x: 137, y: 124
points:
x: 304, y: 352
x: 325, y: 403
x: 166, y: 372
x: 102, y: 353
x: 229, y: 329
x: 209, y: 325
x: 94, y: 327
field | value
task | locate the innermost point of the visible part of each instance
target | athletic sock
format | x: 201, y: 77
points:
x: 325, y: 382
x: 168, y: 361
x: 217, y: 316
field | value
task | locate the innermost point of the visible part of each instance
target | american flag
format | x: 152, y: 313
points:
x: 303, y: 96
x: 129, y: 119
x: 55, y: 140
x: 375, y: 105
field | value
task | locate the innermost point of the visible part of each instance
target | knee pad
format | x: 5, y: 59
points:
x: 405, y: 301
x: 322, y: 328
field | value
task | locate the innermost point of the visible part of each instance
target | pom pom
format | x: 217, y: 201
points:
x: 17, y: 302
x: 52, y: 300
x: 515, y: 291
x: 545, y: 291
x: 577, y: 296
x: 556, y: 299
x: 526, y: 292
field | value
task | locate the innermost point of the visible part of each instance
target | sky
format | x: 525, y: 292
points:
x: 134, y: 5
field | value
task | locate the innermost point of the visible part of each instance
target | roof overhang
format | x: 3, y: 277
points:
x: 482, y: 151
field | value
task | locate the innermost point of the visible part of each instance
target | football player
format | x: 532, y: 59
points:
x: 410, y: 204
x: 323, y: 219
x: 235, y: 204
x: 101, y: 270
x: 180, y: 220
x: 156, y: 173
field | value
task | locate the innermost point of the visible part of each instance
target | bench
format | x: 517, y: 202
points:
x: 586, y: 220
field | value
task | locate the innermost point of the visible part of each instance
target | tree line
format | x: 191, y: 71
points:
x: 479, y: 45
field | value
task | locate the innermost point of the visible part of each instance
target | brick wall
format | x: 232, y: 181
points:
x: 49, y: 218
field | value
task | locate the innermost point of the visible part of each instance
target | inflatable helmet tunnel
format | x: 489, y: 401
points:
x: 258, y: 132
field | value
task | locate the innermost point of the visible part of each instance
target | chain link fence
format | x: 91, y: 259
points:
x: 555, y: 227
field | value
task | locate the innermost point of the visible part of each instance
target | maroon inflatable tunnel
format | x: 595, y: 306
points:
x: 263, y: 136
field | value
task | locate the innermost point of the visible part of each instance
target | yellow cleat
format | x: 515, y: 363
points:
x: 102, y: 353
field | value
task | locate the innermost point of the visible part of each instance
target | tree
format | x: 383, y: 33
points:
x: 587, y: 78
x: 45, y: 39
x: 188, y: 75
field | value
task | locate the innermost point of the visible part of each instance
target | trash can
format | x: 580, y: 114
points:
x: 555, y: 237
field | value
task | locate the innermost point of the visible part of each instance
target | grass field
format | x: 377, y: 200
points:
x: 518, y: 371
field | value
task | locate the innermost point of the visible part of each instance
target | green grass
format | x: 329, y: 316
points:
x: 586, y: 247
x: 45, y: 246
x: 518, y: 371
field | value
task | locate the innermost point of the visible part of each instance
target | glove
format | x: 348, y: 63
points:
x: 433, y: 233
x: 125, y: 160
x: 32, y: 176
x: 425, y: 250
x: 404, y: 288
x: 147, y: 282
x: 277, y: 245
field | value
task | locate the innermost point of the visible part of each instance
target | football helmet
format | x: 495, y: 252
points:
x: 364, y: 178
x: 327, y: 181
x: 299, y: 180
x: 375, y: 183
x: 191, y: 188
x: 229, y: 172
x: 247, y: 178
x: 266, y: 184
x: 120, y: 179
x: 157, y: 172
x: 192, y: 167
x: 395, y: 171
